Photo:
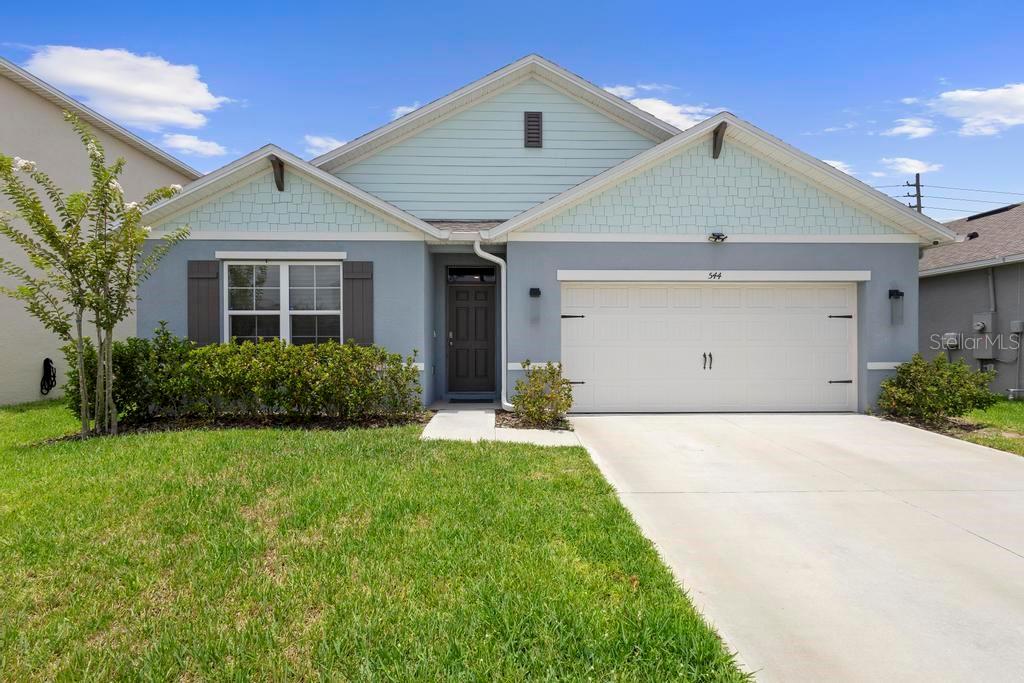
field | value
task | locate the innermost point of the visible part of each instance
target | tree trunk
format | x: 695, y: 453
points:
x: 83, y: 394
x: 111, y: 406
x: 100, y: 417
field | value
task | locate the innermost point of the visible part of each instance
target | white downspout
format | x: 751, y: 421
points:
x: 504, y: 320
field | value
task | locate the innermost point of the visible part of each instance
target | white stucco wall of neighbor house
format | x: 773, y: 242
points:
x: 33, y: 128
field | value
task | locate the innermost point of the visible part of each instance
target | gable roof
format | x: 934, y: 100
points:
x: 258, y: 162
x: 48, y: 92
x: 530, y: 66
x: 815, y: 171
x: 1000, y: 240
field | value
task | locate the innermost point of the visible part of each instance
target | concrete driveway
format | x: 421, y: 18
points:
x: 832, y: 547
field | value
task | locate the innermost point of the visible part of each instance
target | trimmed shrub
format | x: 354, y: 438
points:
x: 169, y: 377
x: 932, y: 391
x: 544, y: 396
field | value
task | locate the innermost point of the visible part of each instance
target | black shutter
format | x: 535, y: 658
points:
x: 533, y: 129
x: 357, y: 309
x: 204, y: 302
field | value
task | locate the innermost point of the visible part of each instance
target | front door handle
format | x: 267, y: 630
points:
x: 711, y: 360
x: 705, y: 367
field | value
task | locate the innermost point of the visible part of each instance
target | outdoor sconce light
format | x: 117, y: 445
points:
x: 896, y: 307
x: 717, y: 237
x: 534, y: 292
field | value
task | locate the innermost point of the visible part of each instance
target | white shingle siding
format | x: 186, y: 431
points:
x: 474, y: 164
x: 691, y: 193
x: 258, y: 207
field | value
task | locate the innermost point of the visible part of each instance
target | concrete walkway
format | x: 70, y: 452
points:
x: 474, y: 423
x: 832, y: 547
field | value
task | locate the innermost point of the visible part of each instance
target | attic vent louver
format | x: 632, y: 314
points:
x: 533, y: 129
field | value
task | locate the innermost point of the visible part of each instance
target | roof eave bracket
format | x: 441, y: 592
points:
x: 717, y: 139
x: 278, y: 166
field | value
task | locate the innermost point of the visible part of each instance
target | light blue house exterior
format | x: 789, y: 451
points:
x: 609, y: 241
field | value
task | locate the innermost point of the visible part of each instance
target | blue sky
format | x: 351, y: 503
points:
x: 882, y: 88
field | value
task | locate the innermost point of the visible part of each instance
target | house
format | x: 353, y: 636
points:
x: 32, y: 127
x: 972, y: 295
x: 531, y: 215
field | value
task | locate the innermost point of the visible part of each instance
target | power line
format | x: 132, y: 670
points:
x: 946, y: 208
x: 964, y: 189
x: 964, y: 199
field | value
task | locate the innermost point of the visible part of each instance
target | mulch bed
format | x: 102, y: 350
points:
x: 505, y: 418
x: 954, y: 426
x: 264, y: 422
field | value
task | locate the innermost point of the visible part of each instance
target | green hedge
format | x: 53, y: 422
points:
x: 169, y: 377
x: 932, y: 391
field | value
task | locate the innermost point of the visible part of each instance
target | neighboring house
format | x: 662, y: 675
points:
x: 972, y: 295
x: 533, y: 206
x: 32, y: 127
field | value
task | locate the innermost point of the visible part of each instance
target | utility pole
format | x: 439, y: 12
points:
x: 917, y: 192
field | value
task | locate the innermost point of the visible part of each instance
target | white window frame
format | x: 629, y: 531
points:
x: 284, y: 311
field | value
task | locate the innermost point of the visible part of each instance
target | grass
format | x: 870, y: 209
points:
x: 999, y: 426
x: 362, y: 554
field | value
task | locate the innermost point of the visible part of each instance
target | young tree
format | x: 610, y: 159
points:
x: 88, y: 259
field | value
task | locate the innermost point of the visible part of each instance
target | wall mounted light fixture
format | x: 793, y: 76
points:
x: 534, y: 292
x: 895, y: 307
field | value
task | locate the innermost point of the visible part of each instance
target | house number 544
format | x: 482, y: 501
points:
x: 715, y: 276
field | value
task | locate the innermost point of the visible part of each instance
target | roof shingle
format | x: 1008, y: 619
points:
x: 1000, y: 234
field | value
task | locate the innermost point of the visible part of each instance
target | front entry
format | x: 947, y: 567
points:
x: 470, y: 337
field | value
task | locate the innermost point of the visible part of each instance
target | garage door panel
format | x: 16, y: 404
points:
x: 640, y: 346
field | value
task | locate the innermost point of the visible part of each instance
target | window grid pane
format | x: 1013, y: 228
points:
x: 253, y: 288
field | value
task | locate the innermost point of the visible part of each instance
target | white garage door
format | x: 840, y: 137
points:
x: 710, y: 347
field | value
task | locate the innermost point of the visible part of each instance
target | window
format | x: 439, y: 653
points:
x: 297, y: 302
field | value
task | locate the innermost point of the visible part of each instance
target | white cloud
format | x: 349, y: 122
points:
x: 682, y: 116
x: 878, y: 174
x: 912, y: 128
x: 623, y: 91
x: 403, y: 109
x: 321, y: 144
x: 190, y: 144
x: 655, y: 87
x: 981, y: 111
x: 908, y: 165
x: 910, y: 100
x: 143, y: 91
x: 840, y: 165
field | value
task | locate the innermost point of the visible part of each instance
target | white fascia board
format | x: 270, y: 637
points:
x: 293, y: 236
x: 280, y: 255
x: 972, y: 265
x: 230, y: 175
x: 48, y: 92
x: 531, y: 65
x: 815, y: 171
x: 733, y: 239
x: 713, y: 276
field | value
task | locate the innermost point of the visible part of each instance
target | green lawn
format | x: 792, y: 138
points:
x: 354, y: 555
x: 1002, y: 426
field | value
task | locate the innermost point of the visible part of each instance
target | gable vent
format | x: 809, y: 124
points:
x: 533, y: 129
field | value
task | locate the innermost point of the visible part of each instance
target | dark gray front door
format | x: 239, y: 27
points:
x: 470, y: 338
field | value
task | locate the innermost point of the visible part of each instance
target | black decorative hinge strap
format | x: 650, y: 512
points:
x: 841, y: 316
x: 574, y: 316
x: 571, y: 382
x: 840, y: 381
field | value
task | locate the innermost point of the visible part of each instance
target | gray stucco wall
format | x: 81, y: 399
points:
x: 534, y: 324
x: 948, y: 304
x: 399, y: 277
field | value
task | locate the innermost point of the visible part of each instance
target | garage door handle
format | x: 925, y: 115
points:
x: 711, y: 360
x: 705, y: 361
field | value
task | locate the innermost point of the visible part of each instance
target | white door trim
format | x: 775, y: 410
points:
x: 714, y: 275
